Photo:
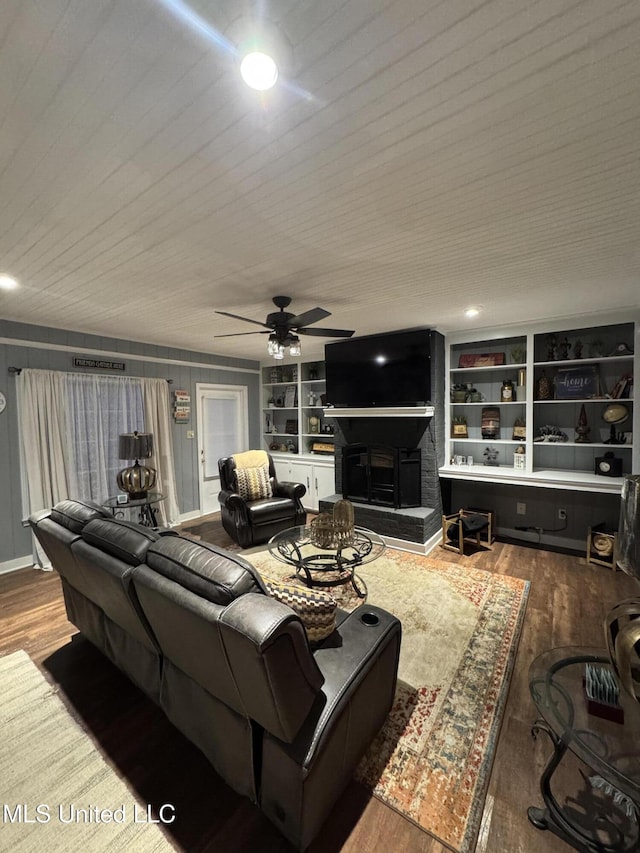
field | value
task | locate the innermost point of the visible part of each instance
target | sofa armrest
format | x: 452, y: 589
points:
x: 302, y: 780
x: 290, y: 490
x: 232, y: 501
x: 364, y: 634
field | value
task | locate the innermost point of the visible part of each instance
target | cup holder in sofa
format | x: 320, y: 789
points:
x: 370, y: 619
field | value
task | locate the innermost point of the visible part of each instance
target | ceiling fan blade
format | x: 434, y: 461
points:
x: 239, y: 334
x: 327, y: 333
x: 238, y: 317
x: 308, y: 317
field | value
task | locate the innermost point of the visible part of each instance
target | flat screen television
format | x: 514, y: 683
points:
x: 392, y: 369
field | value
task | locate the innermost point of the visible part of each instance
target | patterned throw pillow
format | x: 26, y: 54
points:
x: 315, y: 609
x: 254, y: 483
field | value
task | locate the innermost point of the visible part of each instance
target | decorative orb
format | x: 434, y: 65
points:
x: 622, y: 634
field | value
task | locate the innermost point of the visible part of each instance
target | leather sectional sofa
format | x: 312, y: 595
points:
x: 193, y: 626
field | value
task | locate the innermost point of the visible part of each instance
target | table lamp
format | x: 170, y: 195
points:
x: 137, y: 479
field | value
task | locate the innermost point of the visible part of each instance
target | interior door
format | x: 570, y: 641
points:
x: 223, y: 429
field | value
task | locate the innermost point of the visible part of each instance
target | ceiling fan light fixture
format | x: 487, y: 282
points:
x: 7, y: 282
x: 472, y: 311
x: 295, y: 347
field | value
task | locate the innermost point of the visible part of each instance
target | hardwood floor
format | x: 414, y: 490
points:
x: 567, y: 603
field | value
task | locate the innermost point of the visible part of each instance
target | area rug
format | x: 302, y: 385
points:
x: 58, y: 792
x: 460, y: 630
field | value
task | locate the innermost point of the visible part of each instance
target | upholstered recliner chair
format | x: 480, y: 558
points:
x: 253, y: 504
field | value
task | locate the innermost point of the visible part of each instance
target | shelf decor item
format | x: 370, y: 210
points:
x: 520, y: 458
x: 602, y: 546
x: 519, y: 430
x: 583, y: 429
x: 485, y: 359
x: 459, y: 427
x: 491, y: 456
x: 506, y: 391
x: 543, y: 387
x: 490, y: 422
x: 577, y: 383
x: 608, y: 465
x: 518, y: 354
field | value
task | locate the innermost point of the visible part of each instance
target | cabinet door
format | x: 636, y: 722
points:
x: 283, y: 469
x: 324, y: 482
x: 302, y: 472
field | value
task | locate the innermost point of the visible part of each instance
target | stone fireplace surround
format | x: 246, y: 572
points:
x: 412, y: 524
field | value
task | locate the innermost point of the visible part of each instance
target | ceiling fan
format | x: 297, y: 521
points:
x: 283, y: 327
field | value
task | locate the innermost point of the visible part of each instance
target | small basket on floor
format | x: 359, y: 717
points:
x: 463, y: 525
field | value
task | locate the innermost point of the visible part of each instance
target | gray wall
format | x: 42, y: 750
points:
x: 584, y: 509
x: 23, y: 345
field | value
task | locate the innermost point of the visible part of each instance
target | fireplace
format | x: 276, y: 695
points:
x: 382, y: 475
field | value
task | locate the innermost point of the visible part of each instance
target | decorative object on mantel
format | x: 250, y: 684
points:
x: 491, y: 456
x: 543, y: 387
x: 583, y: 429
x: 550, y: 433
x: 485, y: 359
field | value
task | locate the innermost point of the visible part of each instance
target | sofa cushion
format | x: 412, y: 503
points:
x: 315, y: 609
x: 123, y: 540
x: 210, y: 572
x: 74, y: 515
x: 253, y: 484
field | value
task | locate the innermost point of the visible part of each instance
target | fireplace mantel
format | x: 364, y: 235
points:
x: 381, y: 412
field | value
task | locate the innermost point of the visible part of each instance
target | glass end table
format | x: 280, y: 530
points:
x: 610, y: 749
x: 145, y: 506
x: 318, y: 567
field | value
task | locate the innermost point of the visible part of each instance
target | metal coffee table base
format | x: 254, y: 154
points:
x: 343, y: 571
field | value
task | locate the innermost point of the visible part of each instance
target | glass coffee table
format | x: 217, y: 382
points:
x: 145, y: 506
x: 318, y: 567
x: 603, y: 817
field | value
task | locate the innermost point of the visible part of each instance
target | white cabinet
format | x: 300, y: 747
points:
x: 318, y: 477
x: 564, y: 382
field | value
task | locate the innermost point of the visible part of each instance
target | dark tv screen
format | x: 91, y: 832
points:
x: 380, y: 370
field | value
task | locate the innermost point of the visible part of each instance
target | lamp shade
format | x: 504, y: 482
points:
x: 135, y: 445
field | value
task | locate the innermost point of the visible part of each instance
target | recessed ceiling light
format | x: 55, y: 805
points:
x: 7, y: 282
x: 259, y: 71
x: 471, y: 311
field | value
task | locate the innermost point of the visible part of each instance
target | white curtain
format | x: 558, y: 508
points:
x: 70, y: 426
x: 157, y: 418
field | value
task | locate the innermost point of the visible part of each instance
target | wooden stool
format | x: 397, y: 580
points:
x: 462, y: 525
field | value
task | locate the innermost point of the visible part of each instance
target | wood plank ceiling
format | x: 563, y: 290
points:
x: 417, y: 156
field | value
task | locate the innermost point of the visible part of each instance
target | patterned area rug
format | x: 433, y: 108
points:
x: 460, y: 630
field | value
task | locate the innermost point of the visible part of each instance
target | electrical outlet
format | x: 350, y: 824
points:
x: 521, y: 508
x: 562, y: 514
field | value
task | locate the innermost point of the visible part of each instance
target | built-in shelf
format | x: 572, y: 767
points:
x: 577, y: 481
